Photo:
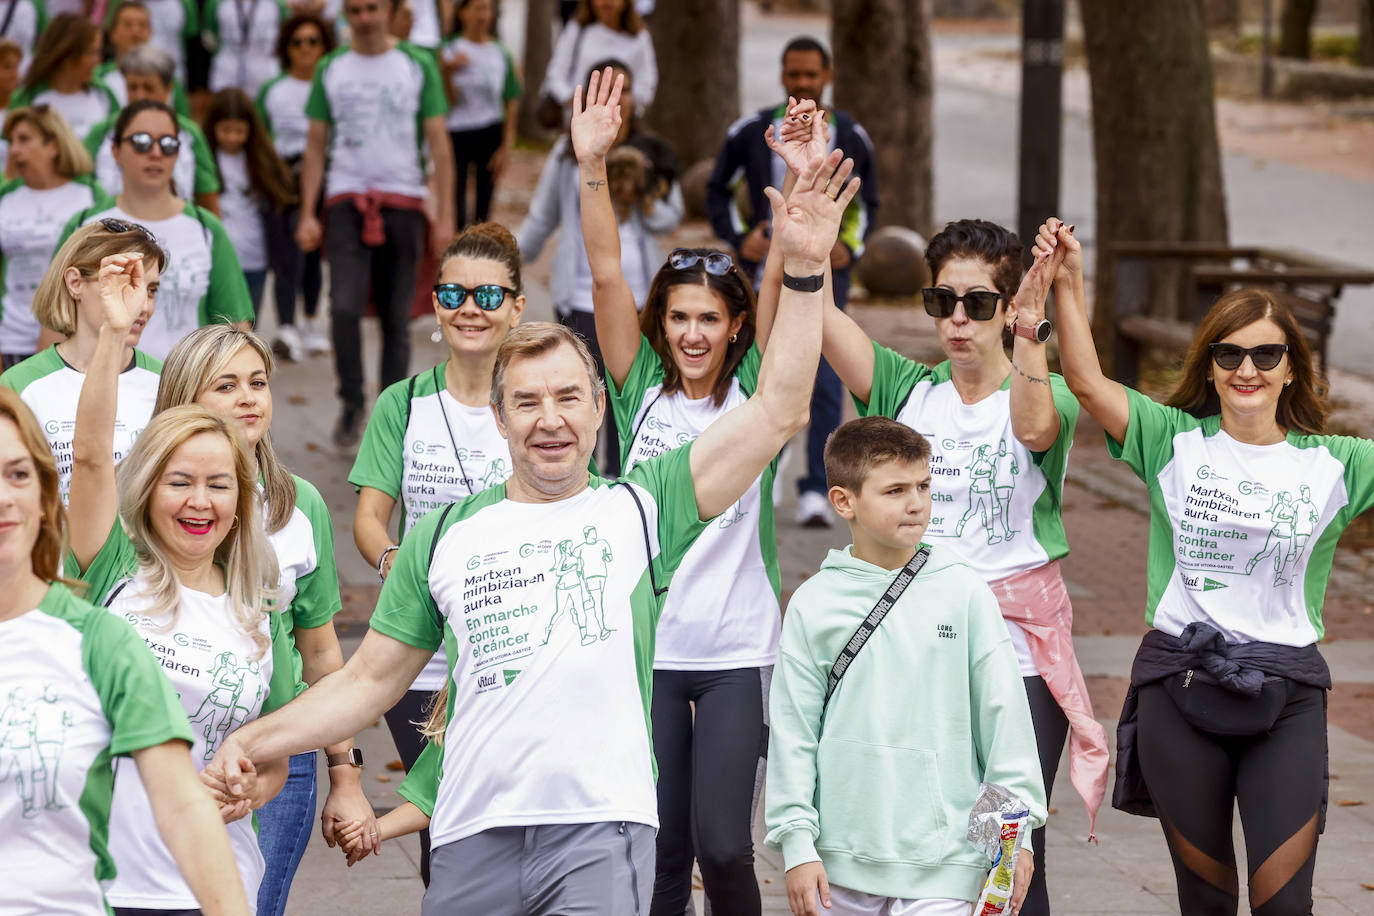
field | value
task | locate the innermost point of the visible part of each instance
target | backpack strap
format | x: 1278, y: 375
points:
x: 644, y: 526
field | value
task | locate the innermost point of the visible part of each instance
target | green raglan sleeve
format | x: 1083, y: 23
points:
x: 421, y: 785
x: 282, y: 686
x: 628, y: 399
x: 180, y: 103
x: 317, y: 592
x: 261, y: 103
x: 1149, y: 442
x: 893, y: 378
x: 512, y: 89
x: 99, y: 136
x: 668, y: 478
x: 1358, y: 457
x: 116, y: 561
x: 317, y: 105
x: 207, y: 176
x: 227, y: 298
x: 381, y: 455
x: 192, y: 27
x: 136, y: 697
x: 406, y: 611
x: 432, y: 99
x: 210, y: 27
x: 1055, y: 460
x: 41, y: 10
x: 22, y: 98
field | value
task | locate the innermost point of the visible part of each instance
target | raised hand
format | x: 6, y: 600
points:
x: 123, y: 290
x: 807, y: 223
x: 1054, y: 234
x: 1035, y: 285
x: 803, y: 136
x: 596, y: 125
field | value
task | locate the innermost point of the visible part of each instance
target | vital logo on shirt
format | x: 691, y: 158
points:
x: 33, y: 730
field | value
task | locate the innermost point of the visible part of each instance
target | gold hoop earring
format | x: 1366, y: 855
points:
x: 734, y: 337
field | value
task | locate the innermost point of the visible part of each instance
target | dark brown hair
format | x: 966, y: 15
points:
x: 630, y: 20
x: 854, y: 449
x: 1302, y: 405
x: 288, y: 32
x: 487, y: 242
x: 267, y: 174
x: 67, y: 35
x: 733, y: 289
x: 49, y: 547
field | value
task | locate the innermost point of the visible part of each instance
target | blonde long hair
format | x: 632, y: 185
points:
x: 195, y: 362
x: 437, y: 721
x: 72, y: 157
x: 250, y: 564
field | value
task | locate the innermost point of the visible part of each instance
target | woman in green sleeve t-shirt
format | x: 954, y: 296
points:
x: 62, y: 74
x: 78, y: 689
x: 175, y: 545
x: 229, y: 371
x: 1247, y: 500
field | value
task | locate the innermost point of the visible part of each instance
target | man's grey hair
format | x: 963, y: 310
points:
x: 147, y: 60
x: 532, y: 339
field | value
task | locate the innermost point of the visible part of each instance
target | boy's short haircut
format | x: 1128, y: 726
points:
x: 857, y: 447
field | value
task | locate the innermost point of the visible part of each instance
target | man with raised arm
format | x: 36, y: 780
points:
x: 546, y: 801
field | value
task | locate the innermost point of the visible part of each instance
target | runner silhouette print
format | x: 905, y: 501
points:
x: 992, y: 478
x: 31, y: 737
x: 580, y: 578
x: 1279, y: 541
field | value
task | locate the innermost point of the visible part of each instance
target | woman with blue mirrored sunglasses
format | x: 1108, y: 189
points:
x: 487, y: 296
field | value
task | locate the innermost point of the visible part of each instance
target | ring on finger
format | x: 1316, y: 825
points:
x: 830, y: 195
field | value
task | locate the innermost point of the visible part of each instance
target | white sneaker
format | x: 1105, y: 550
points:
x: 287, y: 345
x: 813, y: 510
x: 314, y: 340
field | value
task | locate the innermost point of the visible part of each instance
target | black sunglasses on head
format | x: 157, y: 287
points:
x: 487, y: 297
x: 1264, y: 357
x: 142, y: 142
x: 715, y: 263
x: 118, y: 225
x: 979, y: 306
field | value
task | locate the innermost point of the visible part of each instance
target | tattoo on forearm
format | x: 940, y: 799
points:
x: 597, y: 184
x: 1030, y: 378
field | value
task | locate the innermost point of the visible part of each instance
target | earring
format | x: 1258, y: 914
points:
x: 1287, y: 383
x: 734, y: 337
x: 437, y: 336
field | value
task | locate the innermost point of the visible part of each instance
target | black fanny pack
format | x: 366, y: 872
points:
x: 1210, y: 707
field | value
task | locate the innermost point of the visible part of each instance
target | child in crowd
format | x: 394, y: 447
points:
x: 871, y: 776
x: 254, y: 177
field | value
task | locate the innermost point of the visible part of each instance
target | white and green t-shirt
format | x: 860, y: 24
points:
x: 722, y: 611
x: 193, y: 172
x: 222, y: 682
x: 1242, y: 536
x: 376, y: 106
x: 484, y: 86
x: 31, y: 221
x: 309, y: 587
x: 425, y: 449
x: 109, y: 74
x: 243, y: 34
x: 547, y: 613
x: 421, y: 785
x: 77, y: 688
x: 51, y: 389
x: 204, y: 283
x: 241, y: 210
x: 173, y: 22
x: 282, y: 101
x: 27, y: 18
x: 83, y: 109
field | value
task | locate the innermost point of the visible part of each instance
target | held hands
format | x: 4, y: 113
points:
x: 804, y: 135
x: 309, y: 233
x: 356, y: 839
x: 807, y: 223
x: 596, y: 125
x: 805, y: 884
x: 123, y: 290
x: 1035, y: 285
x: 1054, y: 235
x: 347, y: 805
x: 232, y: 806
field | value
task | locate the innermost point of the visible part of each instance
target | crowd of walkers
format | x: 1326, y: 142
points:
x: 582, y: 659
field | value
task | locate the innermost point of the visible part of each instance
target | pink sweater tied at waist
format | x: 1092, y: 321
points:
x: 370, y: 205
x: 1039, y: 603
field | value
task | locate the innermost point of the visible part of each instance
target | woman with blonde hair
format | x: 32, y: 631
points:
x: 49, y: 182
x: 67, y: 301
x: 62, y: 74
x: 174, y: 543
x: 72, y: 672
x: 229, y: 371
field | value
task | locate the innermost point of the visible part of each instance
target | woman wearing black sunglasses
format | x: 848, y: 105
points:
x: 1228, y: 691
x: 432, y: 439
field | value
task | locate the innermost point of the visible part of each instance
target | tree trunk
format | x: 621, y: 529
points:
x: 538, y: 50
x: 1366, y: 15
x: 1222, y: 16
x: 1295, y: 28
x: 883, y: 78
x: 1154, y: 137
x: 697, y: 45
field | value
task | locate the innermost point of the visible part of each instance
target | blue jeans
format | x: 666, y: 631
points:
x: 284, y: 826
x: 827, y: 406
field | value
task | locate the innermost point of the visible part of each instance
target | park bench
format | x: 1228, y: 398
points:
x: 1307, y: 284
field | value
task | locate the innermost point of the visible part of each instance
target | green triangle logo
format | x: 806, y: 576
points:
x: 509, y: 675
x: 1208, y: 585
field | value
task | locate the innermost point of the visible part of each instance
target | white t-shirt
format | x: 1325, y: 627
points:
x: 169, y: 19
x: 83, y: 109
x: 722, y: 611
x: 375, y: 106
x: 282, y: 103
x: 484, y: 86
x: 425, y: 449
x: 579, y: 47
x: 51, y: 389
x: 31, y: 222
x: 424, y: 24
x: 245, y: 37
x: 23, y: 29
x: 241, y: 211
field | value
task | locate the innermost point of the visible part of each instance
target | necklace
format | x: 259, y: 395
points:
x: 439, y: 393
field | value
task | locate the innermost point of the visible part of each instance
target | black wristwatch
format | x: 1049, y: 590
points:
x: 354, y: 758
x: 803, y: 284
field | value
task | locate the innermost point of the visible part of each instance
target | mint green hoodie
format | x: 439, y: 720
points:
x: 932, y: 706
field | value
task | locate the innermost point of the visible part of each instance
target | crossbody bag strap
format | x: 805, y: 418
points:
x: 434, y: 546
x: 9, y: 17
x: 871, y: 622
x: 648, y: 545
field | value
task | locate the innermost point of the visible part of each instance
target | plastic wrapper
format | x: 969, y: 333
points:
x: 996, y: 826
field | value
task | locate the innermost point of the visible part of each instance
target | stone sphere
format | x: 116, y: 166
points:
x: 894, y: 262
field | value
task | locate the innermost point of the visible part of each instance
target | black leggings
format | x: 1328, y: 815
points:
x: 473, y: 149
x: 294, y: 271
x: 410, y: 743
x: 1278, y: 778
x: 1051, y: 729
x: 706, y: 770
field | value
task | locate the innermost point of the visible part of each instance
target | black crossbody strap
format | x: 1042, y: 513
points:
x: 433, y: 547
x: 871, y: 622
x: 5, y: 26
x: 648, y: 544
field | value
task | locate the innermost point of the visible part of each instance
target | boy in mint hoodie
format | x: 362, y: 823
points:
x: 872, y: 790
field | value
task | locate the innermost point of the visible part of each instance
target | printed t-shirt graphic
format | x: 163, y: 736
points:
x: 202, y: 285
x: 243, y: 34
x: 308, y: 591
x: 77, y: 688
x: 282, y: 103
x: 1257, y: 525
x: 222, y: 682
x: 193, y: 172
x: 31, y: 222
x: 484, y: 86
x: 425, y: 449
x: 722, y: 611
x: 51, y: 389
x: 375, y: 106
x: 551, y: 671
